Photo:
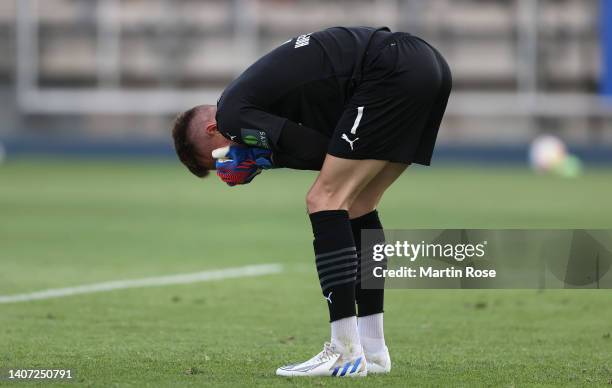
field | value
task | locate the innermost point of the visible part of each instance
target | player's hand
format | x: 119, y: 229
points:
x: 240, y: 165
x: 234, y: 172
x: 261, y: 157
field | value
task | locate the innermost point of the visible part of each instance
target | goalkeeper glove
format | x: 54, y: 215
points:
x: 242, y: 164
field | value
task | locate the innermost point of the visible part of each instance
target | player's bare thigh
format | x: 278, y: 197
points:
x: 340, y: 182
x: 370, y: 196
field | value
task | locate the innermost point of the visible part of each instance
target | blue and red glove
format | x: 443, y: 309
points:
x: 242, y: 164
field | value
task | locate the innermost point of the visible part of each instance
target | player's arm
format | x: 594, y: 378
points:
x: 293, y: 146
x: 298, y: 147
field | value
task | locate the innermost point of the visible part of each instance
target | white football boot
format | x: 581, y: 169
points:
x: 330, y: 362
x: 379, y: 362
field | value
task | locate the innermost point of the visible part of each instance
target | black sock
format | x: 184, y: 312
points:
x: 336, y: 258
x: 368, y: 301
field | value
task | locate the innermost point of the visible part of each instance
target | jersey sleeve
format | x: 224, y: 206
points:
x: 249, y: 125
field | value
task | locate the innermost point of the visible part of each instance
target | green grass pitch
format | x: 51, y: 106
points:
x: 77, y: 222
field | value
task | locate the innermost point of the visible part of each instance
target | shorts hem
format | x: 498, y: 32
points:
x: 386, y: 159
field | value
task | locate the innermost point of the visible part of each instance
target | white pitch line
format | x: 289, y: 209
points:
x: 205, y: 276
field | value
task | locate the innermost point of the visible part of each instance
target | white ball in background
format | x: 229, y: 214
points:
x: 547, y: 153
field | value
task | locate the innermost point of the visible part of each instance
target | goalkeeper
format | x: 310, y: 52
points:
x: 357, y: 104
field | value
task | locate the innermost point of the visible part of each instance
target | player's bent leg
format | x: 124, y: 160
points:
x: 337, y: 186
x: 369, y: 198
x: 340, y: 182
x: 370, y: 302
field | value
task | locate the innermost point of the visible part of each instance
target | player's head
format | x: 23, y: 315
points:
x: 195, y: 136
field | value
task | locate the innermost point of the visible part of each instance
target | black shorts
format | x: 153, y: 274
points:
x: 396, y: 110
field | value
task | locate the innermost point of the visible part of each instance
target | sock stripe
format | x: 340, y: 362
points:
x: 337, y: 283
x: 350, y: 275
x: 336, y: 263
x: 323, y: 263
x: 329, y: 254
x: 336, y: 268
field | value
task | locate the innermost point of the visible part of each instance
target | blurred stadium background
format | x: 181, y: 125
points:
x: 106, y: 77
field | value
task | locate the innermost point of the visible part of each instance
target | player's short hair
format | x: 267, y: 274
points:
x: 185, y: 148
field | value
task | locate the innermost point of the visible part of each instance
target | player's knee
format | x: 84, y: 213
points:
x: 321, y: 198
x: 318, y: 200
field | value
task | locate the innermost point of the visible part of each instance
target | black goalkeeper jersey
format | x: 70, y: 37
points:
x: 307, y: 80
